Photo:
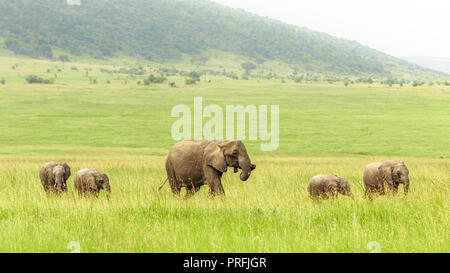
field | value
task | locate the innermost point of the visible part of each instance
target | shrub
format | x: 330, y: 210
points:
x: 194, y: 76
x: 417, y: 83
x: 155, y: 79
x: 190, y: 81
x: 232, y: 75
x: 298, y: 79
x: 3, y: 82
x: 36, y: 79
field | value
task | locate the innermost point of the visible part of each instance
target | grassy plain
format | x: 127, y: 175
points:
x: 124, y: 129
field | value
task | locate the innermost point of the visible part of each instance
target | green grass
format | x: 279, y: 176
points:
x: 124, y: 130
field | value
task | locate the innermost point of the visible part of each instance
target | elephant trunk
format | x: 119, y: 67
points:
x: 246, y: 166
x: 107, y: 188
x: 406, y: 187
x: 59, y: 183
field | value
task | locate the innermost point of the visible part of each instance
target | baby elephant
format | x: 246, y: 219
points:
x: 91, y: 181
x: 326, y: 186
x: 54, y: 175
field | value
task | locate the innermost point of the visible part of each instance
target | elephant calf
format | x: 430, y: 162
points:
x: 91, y: 181
x: 326, y: 186
x: 384, y: 177
x: 54, y: 176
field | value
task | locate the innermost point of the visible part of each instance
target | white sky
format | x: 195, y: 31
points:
x: 396, y: 27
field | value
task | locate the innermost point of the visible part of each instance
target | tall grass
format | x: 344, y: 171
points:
x: 271, y: 212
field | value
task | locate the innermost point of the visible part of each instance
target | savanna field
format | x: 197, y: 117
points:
x: 125, y: 130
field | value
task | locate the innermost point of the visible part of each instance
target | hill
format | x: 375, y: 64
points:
x: 168, y: 30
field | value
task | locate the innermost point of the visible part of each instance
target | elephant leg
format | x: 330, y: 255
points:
x: 191, y: 191
x: 216, y: 189
x: 369, y: 193
x: 213, y: 191
x: 395, y: 188
x: 174, y: 185
x: 388, y: 189
x: 379, y: 189
x: 46, y: 188
x: 221, y: 191
x: 212, y: 179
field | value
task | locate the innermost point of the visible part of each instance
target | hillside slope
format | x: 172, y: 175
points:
x: 162, y: 30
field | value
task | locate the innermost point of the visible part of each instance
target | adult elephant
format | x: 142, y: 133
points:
x: 54, y: 176
x: 193, y: 163
x: 384, y: 178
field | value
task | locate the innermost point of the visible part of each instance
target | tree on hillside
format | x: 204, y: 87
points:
x: 248, y: 66
x: 63, y: 58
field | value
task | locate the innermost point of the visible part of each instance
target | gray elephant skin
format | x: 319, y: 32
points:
x: 54, y: 176
x: 384, y: 178
x: 324, y: 186
x: 192, y: 164
x: 91, y: 181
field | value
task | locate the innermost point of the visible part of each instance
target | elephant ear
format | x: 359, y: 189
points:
x: 385, y: 170
x: 228, y: 147
x: 104, y: 179
x: 67, y: 170
x: 49, y: 174
x: 339, y: 181
x: 332, y: 186
x: 213, y: 156
x: 90, y: 183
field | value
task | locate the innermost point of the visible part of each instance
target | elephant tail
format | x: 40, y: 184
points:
x: 162, y: 185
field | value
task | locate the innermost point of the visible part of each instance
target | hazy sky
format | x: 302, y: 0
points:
x: 397, y: 27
